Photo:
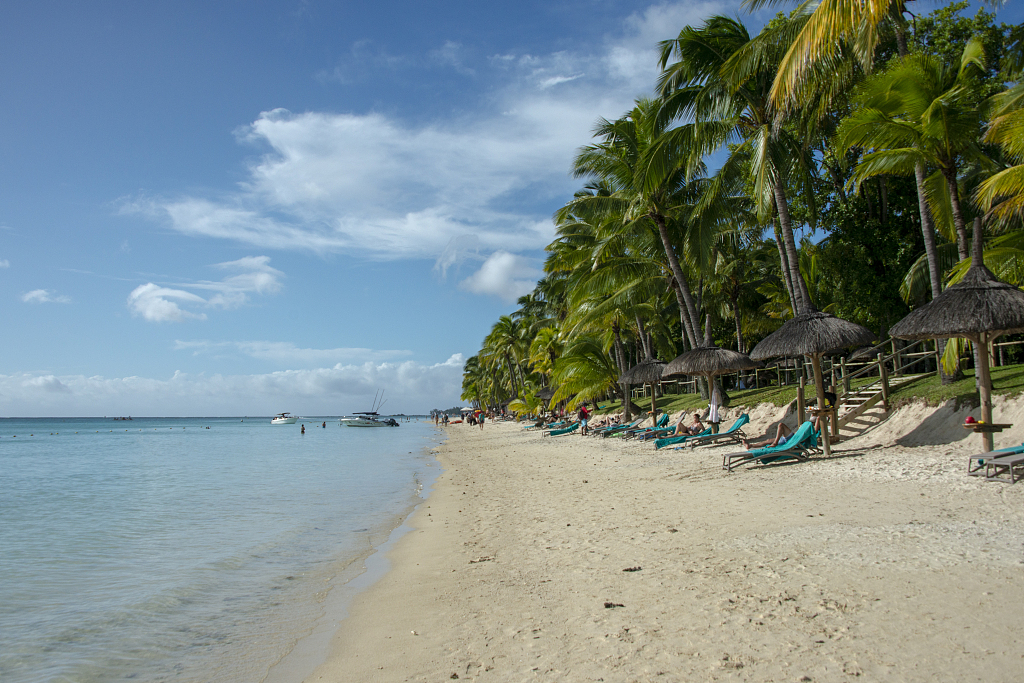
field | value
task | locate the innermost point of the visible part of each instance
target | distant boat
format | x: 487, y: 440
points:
x: 369, y: 418
x: 284, y: 419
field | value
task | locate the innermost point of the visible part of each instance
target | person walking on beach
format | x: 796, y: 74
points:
x: 583, y: 416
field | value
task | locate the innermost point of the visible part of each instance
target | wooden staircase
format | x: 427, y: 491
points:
x: 861, y: 408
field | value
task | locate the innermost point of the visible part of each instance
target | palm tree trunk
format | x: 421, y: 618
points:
x: 739, y: 329
x: 686, y: 304
x: 511, y: 374
x: 958, y: 216
x: 784, y: 261
x: 928, y: 231
x: 801, y: 295
x: 620, y: 358
x: 645, y: 341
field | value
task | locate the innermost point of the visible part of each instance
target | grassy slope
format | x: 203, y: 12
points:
x: 1007, y: 380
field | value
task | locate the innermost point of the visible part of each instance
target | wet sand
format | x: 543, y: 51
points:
x: 885, y: 562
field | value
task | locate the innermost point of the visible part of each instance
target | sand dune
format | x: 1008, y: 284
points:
x: 885, y: 562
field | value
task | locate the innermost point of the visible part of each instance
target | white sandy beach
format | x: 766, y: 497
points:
x: 885, y: 562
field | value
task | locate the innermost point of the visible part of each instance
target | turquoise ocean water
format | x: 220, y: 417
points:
x: 160, y: 550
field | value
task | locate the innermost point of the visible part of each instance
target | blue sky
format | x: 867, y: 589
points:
x: 250, y: 207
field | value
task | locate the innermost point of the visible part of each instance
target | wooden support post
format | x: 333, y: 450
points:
x: 846, y: 377
x: 823, y: 420
x: 938, y: 360
x: 883, y: 373
x: 985, y: 390
x: 800, y: 403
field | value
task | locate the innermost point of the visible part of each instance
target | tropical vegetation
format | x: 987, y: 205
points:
x: 838, y: 159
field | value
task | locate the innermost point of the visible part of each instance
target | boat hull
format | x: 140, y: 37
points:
x: 283, y: 420
x: 360, y: 422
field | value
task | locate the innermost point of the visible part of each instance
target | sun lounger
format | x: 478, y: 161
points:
x: 668, y: 441
x: 994, y: 464
x: 798, y: 446
x: 552, y: 425
x: 733, y: 434
x: 565, y: 430
x: 649, y: 434
x: 662, y: 421
x: 619, y: 428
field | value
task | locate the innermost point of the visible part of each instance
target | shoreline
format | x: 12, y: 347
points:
x: 886, y: 561
x: 311, y: 650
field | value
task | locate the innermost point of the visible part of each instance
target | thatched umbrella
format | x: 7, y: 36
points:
x: 709, y: 362
x: 545, y: 395
x: 645, y: 372
x: 813, y: 334
x: 980, y: 308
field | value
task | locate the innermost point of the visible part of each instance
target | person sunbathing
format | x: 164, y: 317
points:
x: 782, y: 434
x: 682, y: 430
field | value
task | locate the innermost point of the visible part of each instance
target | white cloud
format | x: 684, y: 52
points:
x: 42, y: 296
x: 412, y: 387
x: 287, y: 353
x: 503, y: 275
x: 158, y: 303
x: 375, y: 185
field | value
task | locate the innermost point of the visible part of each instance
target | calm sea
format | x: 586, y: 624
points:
x: 186, y: 549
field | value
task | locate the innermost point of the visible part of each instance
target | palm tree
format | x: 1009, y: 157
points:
x: 584, y: 372
x: 720, y: 81
x: 1003, y: 193
x: 645, y: 176
x: 920, y: 113
x: 503, y: 350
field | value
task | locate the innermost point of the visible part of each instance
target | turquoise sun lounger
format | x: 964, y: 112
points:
x: 662, y: 421
x: 993, y: 464
x: 619, y: 428
x: 797, y: 447
x: 566, y: 430
x: 668, y: 441
x: 734, y: 434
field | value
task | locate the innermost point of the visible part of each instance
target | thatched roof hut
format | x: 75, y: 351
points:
x: 980, y: 308
x: 978, y: 304
x: 813, y: 333
x: 709, y: 361
x: 545, y: 394
x: 644, y: 372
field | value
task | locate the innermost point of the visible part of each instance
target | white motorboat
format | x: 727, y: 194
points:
x: 284, y: 419
x: 365, y: 420
x: 370, y: 418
